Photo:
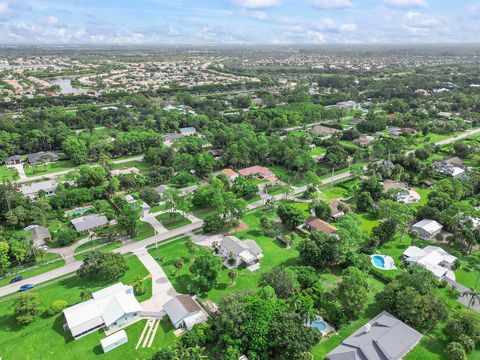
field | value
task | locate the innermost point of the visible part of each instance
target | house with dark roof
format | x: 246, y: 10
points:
x: 325, y: 131
x: 89, y: 222
x: 184, y: 312
x: 384, y: 337
x: 42, y: 157
x: 13, y: 160
x: 39, y: 234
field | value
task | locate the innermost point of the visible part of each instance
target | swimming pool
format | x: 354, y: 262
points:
x: 383, y: 262
x: 320, y: 325
x: 378, y: 261
x: 78, y: 211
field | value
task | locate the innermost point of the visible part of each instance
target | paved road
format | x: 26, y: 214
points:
x: 461, y: 136
x: 131, y: 246
x: 64, y: 172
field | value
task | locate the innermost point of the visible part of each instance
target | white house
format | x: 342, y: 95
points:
x: 32, y: 190
x: 241, y: 251
x: 109, y: 308
x: 184, y: 311
x: 427, y: 229
x: 113, y: 341
x: 433, y: 258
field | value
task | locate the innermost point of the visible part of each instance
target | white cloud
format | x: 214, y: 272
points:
x: 408, y: 3
x: 331, y: 4
x: 325, y: 24
x: 49, y: 20
x: 257, y: 4
x: 256, y: 14
x: 419, y: 20
x: 4, y: 8
x: 348, y: 27
x: 316, y: 36
x: 174, y: 31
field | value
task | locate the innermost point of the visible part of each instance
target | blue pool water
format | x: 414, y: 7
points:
x: 402, y: 196
x: 379, y: 262
x: 320, y: 325
x: 79, y: 211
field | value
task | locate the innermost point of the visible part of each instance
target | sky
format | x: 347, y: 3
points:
x: 248, y: 22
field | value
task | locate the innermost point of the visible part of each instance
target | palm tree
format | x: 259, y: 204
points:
x: 85, y: 294
x: 232, y: 274
x: 474, y: 296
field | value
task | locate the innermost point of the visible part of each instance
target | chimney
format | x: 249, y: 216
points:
x: 367, y: 328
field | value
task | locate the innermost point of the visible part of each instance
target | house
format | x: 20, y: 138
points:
x: 351, y: 105
x: 364, y: 140
x: 338, y: 208
x: 245, y: 252
x: 161, y: 189
x: 110, y: 308
x: 453, y: 167
x: 130, y: 199
x: 89, y: 222
x: 32, y: 190
x: 325, y: 131
x: 391, y: 184
x: 230, y: 174
x: 383, y: 337
x: 316, y: 224
x: 42, y: 157
x: 258, y: 171
x: 184, y: 312
x: 170, y: 138
x: 188, y: 190
x: 126, y: 171
x: 427, y: 229
x: 188, y: 131
x: 39, y: 234
x: 113, y: 341
x: 433, y: 258
x: 445, y: 114
x: 410, y: 131
x: 13, y: 160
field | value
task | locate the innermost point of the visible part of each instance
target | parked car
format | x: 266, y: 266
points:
x: 26, y: 287
x: 16, y: 279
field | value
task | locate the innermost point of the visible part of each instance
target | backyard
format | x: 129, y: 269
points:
x: 45, y: 337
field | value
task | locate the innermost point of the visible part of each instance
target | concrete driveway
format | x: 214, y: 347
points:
x: 162, y: 288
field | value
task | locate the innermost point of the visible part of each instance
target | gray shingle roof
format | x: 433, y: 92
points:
x: 37, y: 157
x: 89, y: 222
x: 388, y: 338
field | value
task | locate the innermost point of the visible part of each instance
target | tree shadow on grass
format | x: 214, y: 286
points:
x: 57, y: 326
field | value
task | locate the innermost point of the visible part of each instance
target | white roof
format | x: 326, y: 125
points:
x: 457, y: 171
x: 430, y: 226
x: 35, y: 188
x: 129, y: 198
x: 108, y: 304
x: 114, y: 338
x: 430, y: 257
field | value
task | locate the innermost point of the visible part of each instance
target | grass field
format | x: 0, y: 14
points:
x: 172, y: 220
x: 7, y: 174
x: 45, y: 337
x: 36, y: 170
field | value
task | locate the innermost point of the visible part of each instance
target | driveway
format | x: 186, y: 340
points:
x: 162, y: 289
x: 20, y: 170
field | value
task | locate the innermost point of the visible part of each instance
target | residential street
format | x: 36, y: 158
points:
x: 131, y: 246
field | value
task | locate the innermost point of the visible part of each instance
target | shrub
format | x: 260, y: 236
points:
x: 456, y: 351
x: 56, y: 307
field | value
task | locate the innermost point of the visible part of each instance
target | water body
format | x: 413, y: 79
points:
x: 66, y: 87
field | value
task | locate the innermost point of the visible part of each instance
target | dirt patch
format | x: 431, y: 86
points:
x: 241, y: 227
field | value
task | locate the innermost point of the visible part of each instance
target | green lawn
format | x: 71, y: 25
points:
x: 7, y: 174
x: 103, y: 247
x: 274, y: 254
x: 35, y: 170
x: 144, y: 167
x: 172, y: 220
x: 45, y: 337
